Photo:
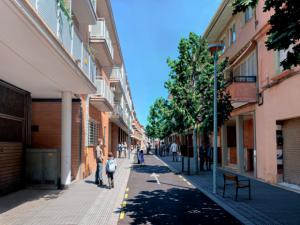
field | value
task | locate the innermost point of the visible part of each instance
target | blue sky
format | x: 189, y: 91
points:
x: 149, y: 32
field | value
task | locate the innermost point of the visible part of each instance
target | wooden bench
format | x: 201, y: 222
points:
x: 238, y: 183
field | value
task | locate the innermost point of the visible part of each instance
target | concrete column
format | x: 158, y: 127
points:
x: 254, y: 145
x: 66, y: 133
x: 224, y: 145
x: 240, y: 143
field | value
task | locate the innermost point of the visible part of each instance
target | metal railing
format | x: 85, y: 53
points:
x: 65, y: 32
x: 244, y: 79
x: 119, y: 111
x: 118, y: 74
x: 104, y: 90
x: 93, y: 3
x: 100, y: 31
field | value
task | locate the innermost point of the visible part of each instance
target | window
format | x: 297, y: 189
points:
x: 247, y: 68
x: 232, y: 35
x: 93, y: 133
x: 248, y: 14
x: 282, y: 54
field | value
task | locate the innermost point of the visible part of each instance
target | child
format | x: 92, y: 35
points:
x: 111, y: 166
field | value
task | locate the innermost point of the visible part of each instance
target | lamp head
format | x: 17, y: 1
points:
x: 215, y: 47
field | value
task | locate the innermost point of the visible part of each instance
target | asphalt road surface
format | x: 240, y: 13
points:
x: 158, y: 196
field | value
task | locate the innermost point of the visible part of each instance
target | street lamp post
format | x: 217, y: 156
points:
x: 214, y: 48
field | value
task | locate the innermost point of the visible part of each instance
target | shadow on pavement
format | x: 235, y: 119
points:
x: 175, y: 206
x: 150, y: 169
x: 18, y: 198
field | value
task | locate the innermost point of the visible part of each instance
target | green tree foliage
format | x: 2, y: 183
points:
x: 242, y: 5
x: 191, y: 86
x: 285, y: 27
x: 159, y: 119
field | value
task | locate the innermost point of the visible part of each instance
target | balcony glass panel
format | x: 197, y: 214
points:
x: 61, y: 27
x: 77, y: 46
x: 65, y: 31
x: 93, y: 69
x: 93, y: 3
x: 48, y: 11
x: 85, y: 60
x: 100, y: 31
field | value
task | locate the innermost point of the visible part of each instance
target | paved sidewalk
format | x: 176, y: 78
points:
x: 83, y: 203
x: 269, y: 205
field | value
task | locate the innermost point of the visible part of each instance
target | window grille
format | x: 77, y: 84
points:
x: 93, y: 133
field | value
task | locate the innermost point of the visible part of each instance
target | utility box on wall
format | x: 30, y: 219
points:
x: 43, y: 167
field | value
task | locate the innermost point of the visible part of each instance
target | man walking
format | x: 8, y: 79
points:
x: 174, y: 149
x: 124, y: 149
x: 99, y: 158
x: 120, y: 148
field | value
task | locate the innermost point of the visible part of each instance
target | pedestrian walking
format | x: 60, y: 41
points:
x: 156, y: 149
x: 168, y: 149
x: 111, y: 166
x: 119, y: 150
x: 174, y: 150
x: 202, y: 155
x: 148, y: 148
x: 138, y: 154
x: 124, y: 148
x: 99, y: 160
x: 141, y: 157
x: 130, y: 149
x: 208, y: 156
x: 161, y: 149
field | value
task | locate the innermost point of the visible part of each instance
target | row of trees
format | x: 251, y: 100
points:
x: 190, y: 83
x: 190, y: 87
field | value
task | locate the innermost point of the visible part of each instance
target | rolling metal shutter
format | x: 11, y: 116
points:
x: 14, y: 135
x: 291, y: 151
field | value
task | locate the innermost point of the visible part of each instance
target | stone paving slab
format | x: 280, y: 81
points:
x: 270, y: 205
x: 83, y: 203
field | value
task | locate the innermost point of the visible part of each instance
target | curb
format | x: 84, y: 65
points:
x: 213, y: 197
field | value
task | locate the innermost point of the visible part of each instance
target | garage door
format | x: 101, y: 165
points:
x: 291, y: 151
x: 14, y: 108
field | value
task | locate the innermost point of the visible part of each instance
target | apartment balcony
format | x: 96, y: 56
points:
x: 101, y: 42
x: 66, y: 33
x: 103, y: 100
x: 85, y: 11
x: 38, y: 50
x: 242, y: 90
x: 117, y: 79
x: 118, y: 116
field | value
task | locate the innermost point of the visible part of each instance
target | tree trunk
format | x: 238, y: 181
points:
x: 195, y: 147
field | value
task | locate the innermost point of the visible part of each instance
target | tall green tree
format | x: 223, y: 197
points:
x: 191, y: 86
x: 285, y: 27
x: 159, y: 119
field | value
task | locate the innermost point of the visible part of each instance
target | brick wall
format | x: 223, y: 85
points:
x: 47, y: 117
x: 248, y: 134
x: 114, y: 138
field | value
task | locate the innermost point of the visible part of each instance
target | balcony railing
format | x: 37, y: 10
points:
x: 118, y: 110
x: 100, y: 31
x: 64, y: 31
x: 104, y: 90
x: 244, y: 79
x: 118, y: 74
x: 93, y: 3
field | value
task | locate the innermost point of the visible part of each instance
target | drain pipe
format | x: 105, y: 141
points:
x: 87, y: 118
